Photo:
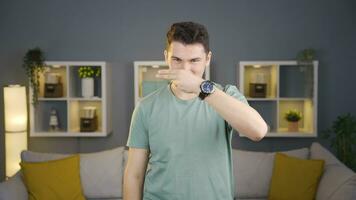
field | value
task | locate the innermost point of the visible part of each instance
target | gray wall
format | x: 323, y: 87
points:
x: 124, y: 31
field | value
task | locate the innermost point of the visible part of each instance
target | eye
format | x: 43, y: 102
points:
x: 176, y: 59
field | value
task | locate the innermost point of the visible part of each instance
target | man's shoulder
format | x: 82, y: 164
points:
x: 218, y: 85
x: 154, y: 96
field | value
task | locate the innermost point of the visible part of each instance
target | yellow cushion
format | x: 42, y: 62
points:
x: 55, y: 180
x: 294, y: 178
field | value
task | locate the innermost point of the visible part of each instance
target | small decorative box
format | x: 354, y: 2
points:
x: 53, y: 86
x: 258, y: 90
x: 88, y: 119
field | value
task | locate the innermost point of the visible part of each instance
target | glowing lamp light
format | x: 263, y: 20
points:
x: 15, y: 110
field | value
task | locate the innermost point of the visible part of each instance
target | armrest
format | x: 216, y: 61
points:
x: 337, y: 181
x: 13, y: 189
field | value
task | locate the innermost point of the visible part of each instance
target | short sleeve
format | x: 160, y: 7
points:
x: 234, y: 92
x: 138, y: 134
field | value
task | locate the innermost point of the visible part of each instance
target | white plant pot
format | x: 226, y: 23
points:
x: 87, y: 87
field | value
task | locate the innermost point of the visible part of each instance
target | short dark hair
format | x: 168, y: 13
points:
x: 188, y: 33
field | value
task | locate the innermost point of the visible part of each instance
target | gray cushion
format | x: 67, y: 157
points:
x: 101, y: 172
x: 126, y: 156
x: 251, y: 199
x: 13, y: 189
x: 253, y: 171
x: 337, y: 181
x: 31, y: 156
x: 104, y: 199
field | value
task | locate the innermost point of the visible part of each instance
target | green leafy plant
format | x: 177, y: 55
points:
x: 292, y: 116
x: 342, y: 136
x: 33, y: 62
x: 306, y: 56
x: 88, y: 72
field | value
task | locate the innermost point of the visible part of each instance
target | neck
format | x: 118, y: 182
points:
x: 180, y: 93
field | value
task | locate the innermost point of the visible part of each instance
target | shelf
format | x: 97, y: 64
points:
x: 43, y: 113
x: 145, y: 78
x: 52, y: 99
x: 60, y: 71
x: 73, y: 98
x: 260, y: 74
x: 85, y: 99
x: 75, y: 112
x: 70, y: 106
x: 288, y: 87
x: 305, y: 107
x: 296, y: 81
x: 268, y: 111
x: 75, y: 90
x: 69, y: 134
x: 293, y: 99
x: 261, y: 99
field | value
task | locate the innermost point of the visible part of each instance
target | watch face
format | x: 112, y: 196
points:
x: 207, y: 87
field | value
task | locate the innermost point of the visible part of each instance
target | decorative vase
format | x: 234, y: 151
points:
x: 87, y: 87
x: 293, y: 126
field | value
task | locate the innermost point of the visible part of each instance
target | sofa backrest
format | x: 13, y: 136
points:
x: 101, y: 172
x: 253, y: 171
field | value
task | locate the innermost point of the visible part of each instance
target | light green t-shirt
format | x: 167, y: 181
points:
x: 190, y: 147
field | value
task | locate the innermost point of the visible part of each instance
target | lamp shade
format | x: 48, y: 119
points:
x: 15, y: 108
x: 15, y: 143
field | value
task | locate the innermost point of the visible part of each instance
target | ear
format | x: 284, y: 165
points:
x: 208, y: 58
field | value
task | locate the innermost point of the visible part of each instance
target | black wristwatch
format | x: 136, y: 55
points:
x: 206, y: 89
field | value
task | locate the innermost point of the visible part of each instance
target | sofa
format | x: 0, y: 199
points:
x: 102, y: 174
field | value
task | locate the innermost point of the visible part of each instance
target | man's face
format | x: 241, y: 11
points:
x: 190, y: 57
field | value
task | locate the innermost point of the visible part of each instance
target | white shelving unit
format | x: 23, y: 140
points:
x: 288, y: 87
x: 69, y: 106
x: 145, y: 80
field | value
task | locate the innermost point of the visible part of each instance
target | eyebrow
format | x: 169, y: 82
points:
x: 197, y: 58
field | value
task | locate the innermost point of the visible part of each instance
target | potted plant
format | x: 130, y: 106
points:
x: 342, y: 136
x: 306, y: 57
x: 293, y: 117
x: 305, y: 60
x: 33, y: 62
x: 87, y: 74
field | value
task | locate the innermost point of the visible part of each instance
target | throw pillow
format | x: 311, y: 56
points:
x: 56, y: 179
x: 253, y: 171
x: 294, y: 178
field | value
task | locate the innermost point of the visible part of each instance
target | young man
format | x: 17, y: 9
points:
x: 187, y: 127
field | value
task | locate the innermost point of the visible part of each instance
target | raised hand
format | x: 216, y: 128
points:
x: 184, y: 80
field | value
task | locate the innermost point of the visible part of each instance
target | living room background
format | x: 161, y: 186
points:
x: 121, y: 32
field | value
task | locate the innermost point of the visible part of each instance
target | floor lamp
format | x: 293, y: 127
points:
x: 15, y: 109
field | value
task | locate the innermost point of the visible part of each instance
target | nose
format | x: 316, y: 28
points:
x: 186, y: 66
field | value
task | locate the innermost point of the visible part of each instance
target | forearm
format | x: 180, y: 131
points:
x: 240, y: 116
x: 133, y: 187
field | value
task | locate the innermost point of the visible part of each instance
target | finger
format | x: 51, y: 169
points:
x: 176, y: 83
x: 167, y: 71
x: 166, y: 76
x: 164, y: 71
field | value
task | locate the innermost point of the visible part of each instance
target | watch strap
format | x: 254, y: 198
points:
x: 203, y: 95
